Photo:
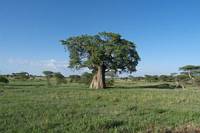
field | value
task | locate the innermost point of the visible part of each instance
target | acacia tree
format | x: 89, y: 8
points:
x: 59, y: 78
x: 190, y: 70
x: 100, y: 53
x: 48, y: 75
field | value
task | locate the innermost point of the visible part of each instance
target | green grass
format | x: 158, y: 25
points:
x: 27, y: 107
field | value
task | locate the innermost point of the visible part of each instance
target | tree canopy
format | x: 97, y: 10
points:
x: 48, y: 75
x: 105, y: 48
x: 59, y: 78
x: 189, y: 68
x: 100, y: 53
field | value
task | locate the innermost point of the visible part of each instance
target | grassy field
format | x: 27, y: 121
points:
x: 32, y: 107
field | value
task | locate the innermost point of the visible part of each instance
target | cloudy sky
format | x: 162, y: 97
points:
x: 166, y: 32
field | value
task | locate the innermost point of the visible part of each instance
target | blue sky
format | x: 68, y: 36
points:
x: 167, y: 32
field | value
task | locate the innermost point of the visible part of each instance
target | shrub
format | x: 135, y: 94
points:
x: 75, y: 78
x: 151, y: 78
x: 182, y: 77
x: 48, y: 75
x: 110, y: 82
x: 166, y: 78
x: 4, y: 80
x: 60, y: 79
x: 181, y: 80
x: 85, y: 78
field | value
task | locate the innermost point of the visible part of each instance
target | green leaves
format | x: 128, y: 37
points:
x: 106, y: 48
x: 48, y: 73
x: 189, y: 68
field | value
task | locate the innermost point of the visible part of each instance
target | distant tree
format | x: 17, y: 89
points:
x: 84, y: 78
x: 4, y: 80
x: 48, y: 75
x: 166, y: 78
x: 75, y: 78
x: 140, y: 78
x: 173, y: 74
x: 190, y: 70
x: 21, y: 75
x: 60, y: 79
x: 102, y: 52
x: 151, y: 78
x: 193, y: 73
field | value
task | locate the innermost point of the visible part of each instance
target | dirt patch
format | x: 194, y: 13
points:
x: 182, y: 129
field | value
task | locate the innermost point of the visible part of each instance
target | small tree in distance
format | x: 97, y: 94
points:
x: 190, y: 70
x: 59, y: 78
x: 102, y: 52
x: 48, y: 75
x: 74, y: 78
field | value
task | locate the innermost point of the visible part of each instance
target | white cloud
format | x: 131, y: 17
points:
x: 38, y: 66
x: 50, y: 64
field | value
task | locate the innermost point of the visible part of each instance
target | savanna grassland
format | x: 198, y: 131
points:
x: 33, y: 107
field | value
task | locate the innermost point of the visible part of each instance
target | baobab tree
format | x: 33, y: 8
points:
x: 101, y: 53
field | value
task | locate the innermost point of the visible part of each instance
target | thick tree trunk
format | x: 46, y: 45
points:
x: 98, y: 81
